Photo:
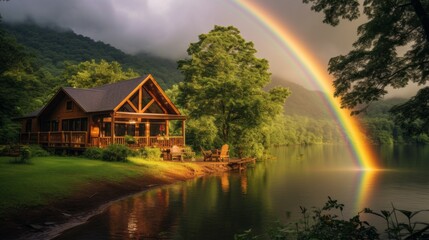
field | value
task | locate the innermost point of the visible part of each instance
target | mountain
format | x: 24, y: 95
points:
x: 381, y: 108
x: 52, y: 46
x: 301, y: 102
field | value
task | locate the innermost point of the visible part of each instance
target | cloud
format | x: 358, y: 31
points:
x: 165, y: 28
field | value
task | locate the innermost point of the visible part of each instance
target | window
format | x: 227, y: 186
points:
x: 142, y: 129
x: 69, y: 105
x: 122, y: 129
x: 45, y: 126
x: 77, y: 124
x: 54, y: 126
x: 28, y: 125
x: 107, y: 129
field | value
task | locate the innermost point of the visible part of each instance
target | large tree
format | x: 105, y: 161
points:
x: 91, y: 73
x: 224, y: 82
x: 392, y: 50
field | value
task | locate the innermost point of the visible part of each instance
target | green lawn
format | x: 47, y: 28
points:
x: 47, y: 178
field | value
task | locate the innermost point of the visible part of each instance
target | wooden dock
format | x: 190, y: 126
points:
x: 239, y: 164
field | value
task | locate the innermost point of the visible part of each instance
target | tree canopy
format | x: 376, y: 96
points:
x: 90, y: 74
x: 392, y: 50
x: 224, y: 83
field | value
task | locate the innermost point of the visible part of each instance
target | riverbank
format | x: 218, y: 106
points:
x: 54, y: 193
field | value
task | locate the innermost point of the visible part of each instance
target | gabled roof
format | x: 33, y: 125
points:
x: 105, y: 98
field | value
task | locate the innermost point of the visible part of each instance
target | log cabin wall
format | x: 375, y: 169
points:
x: 65, y: 109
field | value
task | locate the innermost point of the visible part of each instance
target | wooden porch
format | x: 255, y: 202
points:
x: 80, y: 139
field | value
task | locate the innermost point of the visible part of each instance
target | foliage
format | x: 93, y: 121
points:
x: 90, y: 74
x: 396, y: 229
x: 325, y: 223
x: 328, y: 225
x: 129, y: 139
x: 19, y: 79
x: 412, y: 115
x: 25, y: 154
x: 115, y: 153
x: 225, y: 80
x: 53, y: 46
x: 392, y: 50
x: 201, y: 132
x: 38, y: 151
x: 93, y: 153
x: 293, y: 130
x: 150, y: 153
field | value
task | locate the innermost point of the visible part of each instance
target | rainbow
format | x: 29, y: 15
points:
x: 352, y: 129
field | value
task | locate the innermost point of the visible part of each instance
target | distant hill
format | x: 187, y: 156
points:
x: 381, y: 108
x: 52, y: 46
x: 302, y: 102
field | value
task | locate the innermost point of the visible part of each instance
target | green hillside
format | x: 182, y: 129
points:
x: 302, y: 102
x: 53, y: 46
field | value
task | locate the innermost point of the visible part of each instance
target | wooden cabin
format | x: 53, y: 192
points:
x: 78, y: 118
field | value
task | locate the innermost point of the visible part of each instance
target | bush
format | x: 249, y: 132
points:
x: 129, y: 139
x: 150, y: 153
x: 19, y: 154
x: 93, y: 153
x: 25, y: 154
x: 38, y: 151
x: 115, y: 153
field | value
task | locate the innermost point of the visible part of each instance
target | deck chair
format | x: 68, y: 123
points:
x: 176, y: 153
x: 222, y: 154
x: 207, y: 154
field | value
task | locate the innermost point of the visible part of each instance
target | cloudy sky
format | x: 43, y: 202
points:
x: 166, y: 27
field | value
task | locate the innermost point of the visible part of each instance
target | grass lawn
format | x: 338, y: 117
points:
x: 54, y: 177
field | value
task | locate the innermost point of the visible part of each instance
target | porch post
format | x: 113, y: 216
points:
x: 183, y: 132
x: 167, y: 129
x: 112, y: 128
x: 147, y: 133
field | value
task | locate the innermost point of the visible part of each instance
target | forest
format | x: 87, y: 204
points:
x: 48, y: 54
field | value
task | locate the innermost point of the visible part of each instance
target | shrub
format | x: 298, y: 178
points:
x: 150, y: 153
x: 38, y: 151
x: 25, y: 154
x: 20, y: 154
x: 115, y: 153
x: 93, y: 153
x: 129, y: 139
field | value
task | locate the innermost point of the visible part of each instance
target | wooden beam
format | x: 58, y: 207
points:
x: 132, y: 105
x: 148, y: 105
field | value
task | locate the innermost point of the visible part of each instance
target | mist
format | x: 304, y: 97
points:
x: 165, y: 28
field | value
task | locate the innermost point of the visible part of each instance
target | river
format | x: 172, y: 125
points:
x: 217, y: 207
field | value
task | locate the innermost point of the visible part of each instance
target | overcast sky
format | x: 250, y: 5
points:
x: 166, y: 27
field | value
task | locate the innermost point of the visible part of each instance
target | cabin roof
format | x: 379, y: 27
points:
x: 103, y: 98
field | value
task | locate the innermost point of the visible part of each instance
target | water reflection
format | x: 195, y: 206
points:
x: 217, y: 207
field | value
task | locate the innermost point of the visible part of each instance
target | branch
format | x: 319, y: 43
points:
x: 424, y: 19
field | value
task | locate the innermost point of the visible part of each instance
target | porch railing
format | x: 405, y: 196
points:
x: 71, y: 139
x: 75, y: 139
x: 162, y: 142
